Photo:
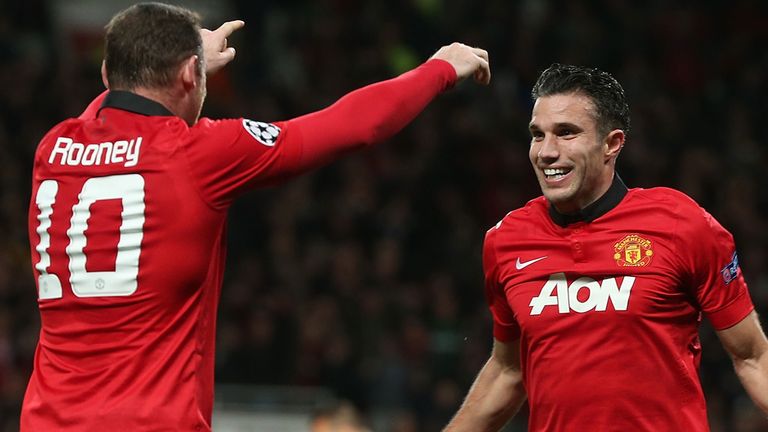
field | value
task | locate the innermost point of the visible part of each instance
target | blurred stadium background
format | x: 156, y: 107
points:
x: 362, y: 281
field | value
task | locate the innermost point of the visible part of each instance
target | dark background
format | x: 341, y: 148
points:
x: 365, y: 276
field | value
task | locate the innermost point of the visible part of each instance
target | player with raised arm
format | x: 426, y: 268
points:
x: 597, y: 290
x: 127, y: 219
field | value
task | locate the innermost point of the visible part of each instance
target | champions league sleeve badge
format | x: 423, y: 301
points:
x: 265, y: 133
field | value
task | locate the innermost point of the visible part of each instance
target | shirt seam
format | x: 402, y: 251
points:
x: 193, y: 180
x: 495, y: 272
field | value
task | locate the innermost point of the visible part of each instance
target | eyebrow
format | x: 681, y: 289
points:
x: 534, y: 126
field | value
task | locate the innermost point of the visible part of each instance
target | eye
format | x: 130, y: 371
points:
x: 537, y: 135
x: 565, y: 132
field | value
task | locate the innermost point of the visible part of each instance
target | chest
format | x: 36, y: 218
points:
x: 581, y: 277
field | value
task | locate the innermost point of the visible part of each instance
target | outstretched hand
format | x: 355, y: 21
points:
x: 215, y: 49
x: 467, y: 61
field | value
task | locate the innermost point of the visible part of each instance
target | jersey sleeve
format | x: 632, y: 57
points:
x: 371, y: 114
x: 228, y: 157
x: 505, y: 327
x: 712, y: 266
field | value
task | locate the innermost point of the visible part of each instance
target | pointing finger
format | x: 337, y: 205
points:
x: 230, y: 27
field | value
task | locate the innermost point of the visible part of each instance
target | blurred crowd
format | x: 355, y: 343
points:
x: 365, y: 276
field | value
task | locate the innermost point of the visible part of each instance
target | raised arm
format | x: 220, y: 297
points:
x: 496, y: 394
x: 747, y: 345
x: 250, y: 154
x: 376, y: 112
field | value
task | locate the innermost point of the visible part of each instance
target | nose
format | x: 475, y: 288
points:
x: 548, y: 151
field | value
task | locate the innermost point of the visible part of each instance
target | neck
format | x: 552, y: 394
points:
x: 175, y: 103
x: 604, y: 203
x: 602, y: 184
x: 161, y: 96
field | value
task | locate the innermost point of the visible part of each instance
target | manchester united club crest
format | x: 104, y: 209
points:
x: 633, y: 251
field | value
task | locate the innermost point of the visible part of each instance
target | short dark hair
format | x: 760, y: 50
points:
x: 605, y: 92
x: 146, y: 43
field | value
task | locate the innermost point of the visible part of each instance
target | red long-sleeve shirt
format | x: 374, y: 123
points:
x: 127, y: 228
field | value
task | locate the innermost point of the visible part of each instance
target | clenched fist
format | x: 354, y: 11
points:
x: 467, y: 61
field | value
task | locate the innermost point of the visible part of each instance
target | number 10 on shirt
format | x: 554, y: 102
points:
x: 129, y: 188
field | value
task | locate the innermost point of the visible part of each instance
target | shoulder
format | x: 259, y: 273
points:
x: 263, y: 132
x: 666, y: 199
x: 663, y: 195
x: 691, y: 218
x: 518, y: 219
x: 206, y: 124
x: 63, y: 128
x: 239, y: 124
x: 214, y: 133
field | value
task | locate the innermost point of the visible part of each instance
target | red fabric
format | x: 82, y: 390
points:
x: 613, y: 362
x: 369, y: 115
x: 93, y: 108
x: 143, y: 360
x: 363, y: 117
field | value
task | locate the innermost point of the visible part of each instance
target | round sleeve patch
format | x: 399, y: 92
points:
x: 265, y: 133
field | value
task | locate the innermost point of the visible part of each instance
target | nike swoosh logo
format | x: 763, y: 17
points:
x: 521, y: 265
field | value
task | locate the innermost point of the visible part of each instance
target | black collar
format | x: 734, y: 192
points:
x: 132, y: 102
x: 610, y: 199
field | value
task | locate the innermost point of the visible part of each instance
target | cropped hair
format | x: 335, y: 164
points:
x: 607, y: 95
x: 146, y: 43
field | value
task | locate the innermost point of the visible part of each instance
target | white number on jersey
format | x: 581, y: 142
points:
x: 129, y: 188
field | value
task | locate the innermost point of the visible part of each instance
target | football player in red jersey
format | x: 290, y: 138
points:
x: 597, y: 290
x: 128, y: 211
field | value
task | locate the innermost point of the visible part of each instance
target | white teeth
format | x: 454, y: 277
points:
x: 555, y: 171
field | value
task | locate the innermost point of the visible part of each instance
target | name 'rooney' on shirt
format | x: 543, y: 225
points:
x: 68, y: 152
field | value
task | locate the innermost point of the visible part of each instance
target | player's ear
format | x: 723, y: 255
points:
x: 188, y: 73
x: 613, y: 144
x: 104, y: 74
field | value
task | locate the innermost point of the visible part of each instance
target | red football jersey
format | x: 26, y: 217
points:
x: 127, y: 230
x: 607, y: 305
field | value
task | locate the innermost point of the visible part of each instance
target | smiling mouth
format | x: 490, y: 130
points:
x: 556, y: 173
